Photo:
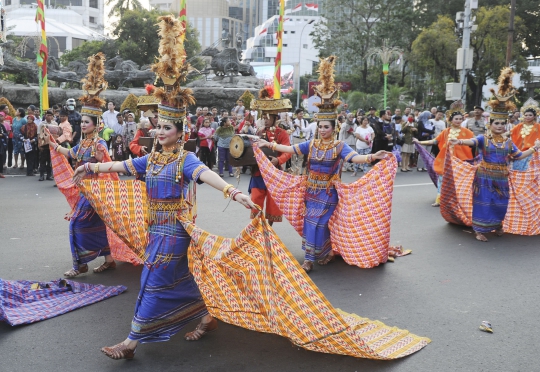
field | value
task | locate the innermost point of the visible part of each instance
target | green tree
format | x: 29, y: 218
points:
x: 489, y: 42
x: 89, y: 48
x: 120, y: 6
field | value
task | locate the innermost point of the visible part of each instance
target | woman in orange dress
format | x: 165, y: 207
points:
x: 525, y: 134
x: 455, y: 131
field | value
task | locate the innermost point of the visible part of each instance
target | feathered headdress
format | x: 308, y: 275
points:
x: 327, y: 90
x: 93, y: 84
x: 172, y: 68
x: 148, y: 101
x: 501, y: 103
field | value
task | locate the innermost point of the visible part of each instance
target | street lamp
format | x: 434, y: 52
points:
x: 300, y: 52
x: 385, y: 54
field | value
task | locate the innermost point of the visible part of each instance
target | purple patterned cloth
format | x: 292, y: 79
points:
x: 20, y: 304
x: 428, y: 160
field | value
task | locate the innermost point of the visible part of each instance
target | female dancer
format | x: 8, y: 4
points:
x: 87, y: 232
x: 525, y: 134
x: 491, y: 190
x: 455, y: 131
x: 325, y: 156
x: 169, y: 297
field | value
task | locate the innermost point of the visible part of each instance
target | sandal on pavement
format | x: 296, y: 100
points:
x: 201, y: 330
x: 307, y: 266
x: 481, y: 237
x: 327, y: 259
x: 105, y: 266
x: 73, y: 273
x: 118, y: 351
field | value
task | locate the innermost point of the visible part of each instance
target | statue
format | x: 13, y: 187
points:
x: 225, y: 38
x: 227, y: 63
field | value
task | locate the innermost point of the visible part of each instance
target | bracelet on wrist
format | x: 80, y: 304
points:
x: 96, y: 168
x: 226, y: 192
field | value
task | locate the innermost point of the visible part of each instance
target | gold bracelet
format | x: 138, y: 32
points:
x: 96, y: 168
x: 274, y: 145
x: 226, y: 192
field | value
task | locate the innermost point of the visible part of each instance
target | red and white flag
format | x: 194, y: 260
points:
x: 312, y: 6
x: 263, y: 32
x: 297, y: 8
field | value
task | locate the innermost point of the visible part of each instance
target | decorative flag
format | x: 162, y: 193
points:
x: 264, y: 32
x: 297, y: 8
x: 277, y: 69
x: 42, y: 57
x: 312, y: 6
x: 183, y: 20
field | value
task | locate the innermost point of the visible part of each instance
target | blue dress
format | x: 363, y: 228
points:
x: 169, y: 297
x: 87, y: 231
x: 321, y: 195
x: 490, y: 188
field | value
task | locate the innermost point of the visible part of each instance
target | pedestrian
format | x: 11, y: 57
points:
x: 118, y: 149
x: 8, y: 122
x: 74, y: 119
x: 364, y: 134
x: 130, y: 128
x: 206, y: 144
x: 438, y: 125
x: 346, y: 135
x: 4, y: 136
x: 66, y: 138
x: 426, y: 129
x: 223, y: 135
x: 407, y: 150
x: 29, y: 137
x: 109, y: 119
x: 18, y: 145
x: 48, y: 126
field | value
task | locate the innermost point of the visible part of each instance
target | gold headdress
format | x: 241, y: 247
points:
x: 148, y: 101
x: 93, y: 84
x: 530, y: 105
x: 268, y: 105
x: 456, y: 108
x: 501, y: 103
x: 327, y: 90
x: 172, y: 68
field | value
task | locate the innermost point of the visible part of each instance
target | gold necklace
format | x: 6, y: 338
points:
x: 498, y: 141
x: 321, y: 146
x: 526, y: 129
x: 454, y: 133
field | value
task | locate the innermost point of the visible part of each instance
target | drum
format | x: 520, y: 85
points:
x: 238, y: 146
x: 241, y: 152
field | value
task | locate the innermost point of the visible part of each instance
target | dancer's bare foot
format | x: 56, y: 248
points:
x: 499, y: 232
x: 481, y: 237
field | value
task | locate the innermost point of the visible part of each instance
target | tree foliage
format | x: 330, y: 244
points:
x: 130, y: 103
x: 136, y: 39
x: 120, y: 6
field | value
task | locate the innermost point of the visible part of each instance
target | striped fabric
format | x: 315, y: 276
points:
x: 360, y: 225
x: 63, y: 174
x: 428, y: 159
x: 20, y: 304
x: 523, y: 215
x: 123, y: 206
x: 254, y: 282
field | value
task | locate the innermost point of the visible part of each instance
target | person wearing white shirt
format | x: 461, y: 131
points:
x: 439, y: 125
x: 364, y: 134
x: 298, y: 137
x: 109, y: 119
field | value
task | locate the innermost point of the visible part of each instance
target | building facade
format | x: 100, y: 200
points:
x: 91, y: 11
x: 298, y: 47
x: 212, y: 18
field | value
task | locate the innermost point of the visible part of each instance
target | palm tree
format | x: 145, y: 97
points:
x: 121, y: 5
x: 397, y: 97
x: 360, y: 100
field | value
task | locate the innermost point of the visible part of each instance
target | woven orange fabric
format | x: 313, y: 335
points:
x: 63, y: 174
x: 462, y: 152
x: 360, y: 225
x: 252, y: 281
x: 523, y: 215
x: 527, y: 142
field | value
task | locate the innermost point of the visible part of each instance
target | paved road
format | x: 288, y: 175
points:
x: 444, y: 290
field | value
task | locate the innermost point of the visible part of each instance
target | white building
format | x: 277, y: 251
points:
x: 91, y: 11
x: 298, y: 47
x: 63, y: 26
